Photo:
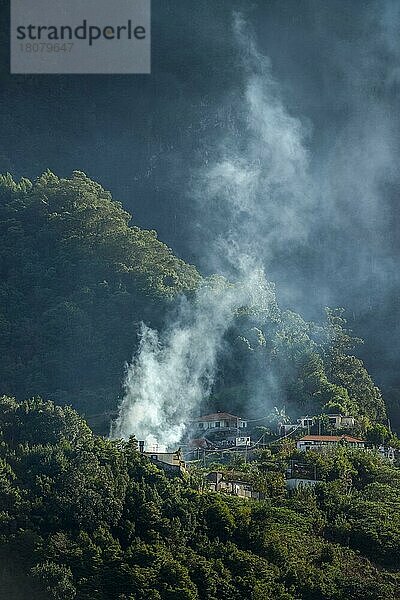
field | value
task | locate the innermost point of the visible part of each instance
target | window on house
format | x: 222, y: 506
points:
x: 217, y: 424
x: 201, y: 425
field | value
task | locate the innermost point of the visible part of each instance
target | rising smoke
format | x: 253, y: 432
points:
x: 259, y: 192
x: 173, y: 372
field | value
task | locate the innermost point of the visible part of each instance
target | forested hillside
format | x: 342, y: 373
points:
x: 85, y: 518
x: 77, y: 278
x: 313, y: 367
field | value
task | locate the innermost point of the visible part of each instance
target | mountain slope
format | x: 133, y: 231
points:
x: 76, y: 279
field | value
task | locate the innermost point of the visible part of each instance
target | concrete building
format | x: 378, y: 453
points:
x: 233, y: 486
x: 387, y: 452
x: 243, y: 441
x: 168, y: 461
x: 219, y: 420
x: 295, y: 484
x: 337, y: 421
x: 306, y: 422
x: 317, y: 442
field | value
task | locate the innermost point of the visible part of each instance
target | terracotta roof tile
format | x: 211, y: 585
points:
x: 329, y: 438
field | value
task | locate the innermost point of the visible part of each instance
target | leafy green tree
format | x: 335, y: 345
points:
x: 347, y: 370
x: 56, y: 580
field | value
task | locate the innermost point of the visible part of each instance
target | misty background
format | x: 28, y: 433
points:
x: 146, y: 138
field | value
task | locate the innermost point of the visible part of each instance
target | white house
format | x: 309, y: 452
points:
x: 243, y: 441
x: 306, y: 422
x: 219, y: 420
x: 336, y: 421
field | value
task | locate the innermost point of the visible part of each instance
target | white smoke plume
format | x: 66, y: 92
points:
x: 256, y: 190
x: 173, y: 372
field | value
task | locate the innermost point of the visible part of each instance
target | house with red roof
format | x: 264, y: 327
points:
x: 316, y: 442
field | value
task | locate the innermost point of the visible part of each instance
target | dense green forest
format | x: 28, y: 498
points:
x: 77, y: 278
x: 82, y: 517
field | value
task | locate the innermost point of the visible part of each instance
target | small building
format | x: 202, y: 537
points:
x: 228, y: 441
x: 243, y: 441
x: 294, y: 483
x: 219, y: 420
x: 316, y: 442
x: 387, y: 452
x: 301, y: 423
x: 168, y: 461
x: 337, y: 421
x: 306, y: 422
x: 233, y: 486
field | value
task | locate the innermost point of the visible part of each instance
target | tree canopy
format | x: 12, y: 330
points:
x: 75, y: 281
x: 82, y: 517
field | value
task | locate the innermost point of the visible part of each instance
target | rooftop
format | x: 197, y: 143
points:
x: 329, y: 438
x: 217, y: 417
x: 175, y: 452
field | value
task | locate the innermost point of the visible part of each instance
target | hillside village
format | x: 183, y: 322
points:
x: 216, y: 441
